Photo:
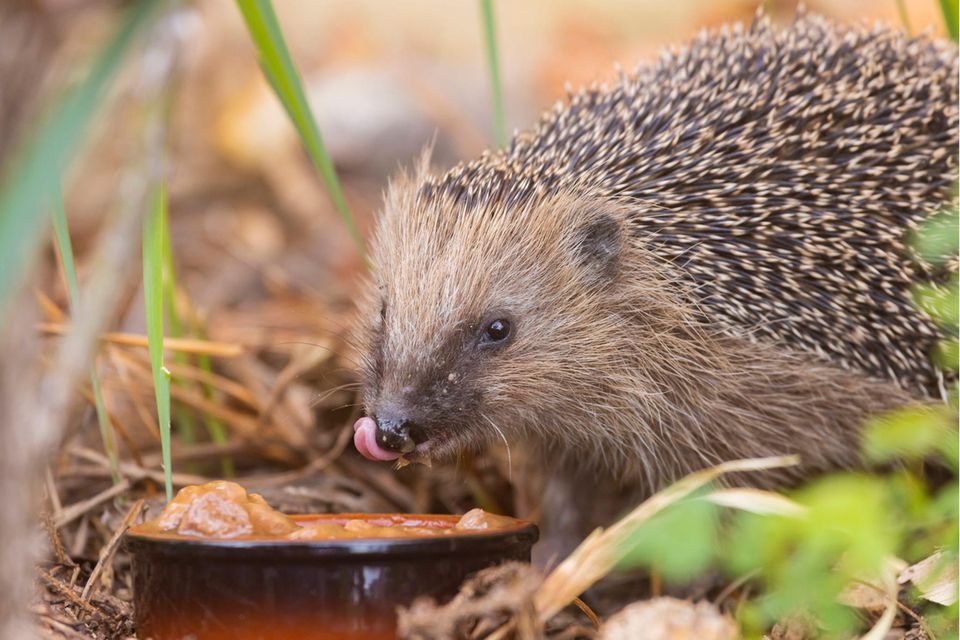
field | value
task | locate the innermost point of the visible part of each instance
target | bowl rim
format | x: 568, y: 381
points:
x: 483, y: 540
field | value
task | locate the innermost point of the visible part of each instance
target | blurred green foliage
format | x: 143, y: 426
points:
x: 912, y: 433
x: 680, y: 541
x: 804, y: 563
x: 950, y: 17
x: 937, y: 240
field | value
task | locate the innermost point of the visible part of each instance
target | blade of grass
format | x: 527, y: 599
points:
x: 65, y: 251
x: 950, y: 17
x: 184, y: 415
x: 904, y: 16
x: 153, y: 299
x: 48, y: 151
x: 493, y: 62
x: 277, y: 65
x: 215, y: 427
x: 186, y: 424
x: 756, y: 501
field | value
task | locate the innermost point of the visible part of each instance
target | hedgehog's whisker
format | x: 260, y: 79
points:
x: 506, y: 443
x: 329, y: 392
x: 320, y: 346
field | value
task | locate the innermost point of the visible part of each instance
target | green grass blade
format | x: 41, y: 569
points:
x: 950, y: 17
x: 153, y: 299
x: 106, y: 429
x: 493, y: 62
x: 904, y: 16
x: 65, y: 249
x: 215, y: 427
x: 183, y: 416
x: 26, y: 183
x: 278, y: 67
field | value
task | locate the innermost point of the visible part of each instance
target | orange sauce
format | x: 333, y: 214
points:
x: 224, y: 510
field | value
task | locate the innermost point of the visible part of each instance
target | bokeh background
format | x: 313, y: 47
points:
x: 384, y: 79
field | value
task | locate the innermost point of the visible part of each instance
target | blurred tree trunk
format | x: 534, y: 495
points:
x: 19, y: 484
x: 28, y: 43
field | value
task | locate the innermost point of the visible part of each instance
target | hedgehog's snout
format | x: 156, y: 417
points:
x: 386, y: 438
x: 396, y: 434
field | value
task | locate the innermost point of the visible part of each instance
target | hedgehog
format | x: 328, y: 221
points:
x: 705, y: 260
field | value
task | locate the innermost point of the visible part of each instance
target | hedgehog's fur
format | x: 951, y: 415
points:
x: 780, y: 168
x: 706, y: 260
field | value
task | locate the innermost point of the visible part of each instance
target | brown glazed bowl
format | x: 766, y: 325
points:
x: 207, y: 589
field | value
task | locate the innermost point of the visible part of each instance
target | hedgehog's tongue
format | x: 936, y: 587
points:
x: 365, y: 440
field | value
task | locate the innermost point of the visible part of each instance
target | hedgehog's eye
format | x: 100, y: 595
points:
x: 496, y: 332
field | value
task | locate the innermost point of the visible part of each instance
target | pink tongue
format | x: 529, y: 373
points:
x: 365, y: 440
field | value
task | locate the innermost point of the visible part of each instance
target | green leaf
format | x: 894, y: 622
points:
x: 942, y: 622
x: 912, y: 432
x: 947, y: 355
x: 153, y: 299
x: 941, y: 302
x: 940, y: 524
x: 278, y: 67
x: 679, y: 541
x: 493, y: 64
x: 28, y: 179
x: 937, y: 240
x: 949, y: 448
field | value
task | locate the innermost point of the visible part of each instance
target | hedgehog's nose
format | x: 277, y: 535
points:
x: 396, y: 434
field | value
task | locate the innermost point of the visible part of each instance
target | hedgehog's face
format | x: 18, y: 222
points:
x: 482, y: 323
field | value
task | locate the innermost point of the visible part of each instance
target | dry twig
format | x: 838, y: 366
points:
x: 183, y: 345
x: 108, y: 551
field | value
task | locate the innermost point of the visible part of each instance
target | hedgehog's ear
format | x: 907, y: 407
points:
x: 599, y: 244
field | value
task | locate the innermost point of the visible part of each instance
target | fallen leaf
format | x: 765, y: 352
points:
x: 669, y: 619
x: 861, y: 596
x: 756, y: 501
x: 935, y: 577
